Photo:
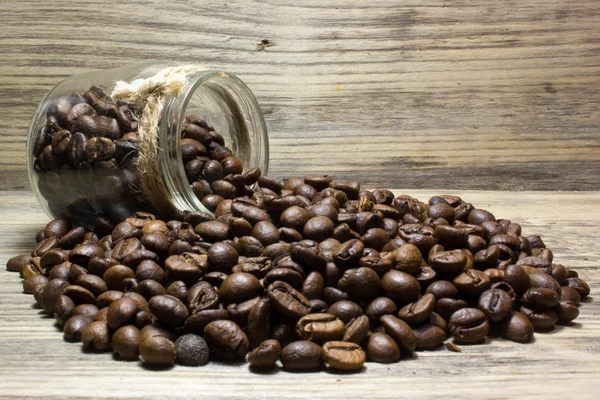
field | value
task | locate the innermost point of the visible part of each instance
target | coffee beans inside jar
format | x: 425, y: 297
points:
x: 311, y: 272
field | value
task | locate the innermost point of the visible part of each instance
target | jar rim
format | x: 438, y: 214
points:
x: 170, y: 161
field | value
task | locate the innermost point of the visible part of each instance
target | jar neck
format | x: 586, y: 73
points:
x: 227, y: 104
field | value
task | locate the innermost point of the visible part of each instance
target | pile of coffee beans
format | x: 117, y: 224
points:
x: 309, y: 272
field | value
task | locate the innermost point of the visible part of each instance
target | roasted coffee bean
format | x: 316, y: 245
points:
x: 157, y: 350
x: 79, y: 295
x: 222, y: 257
x: 16, y: 263
x: 380, y: 306
x: 545, y: 319
x: 302, y: 355
x: 517, y: 328
x: 418, y: 311
x: 121, y: 312
x: 226, y: 340
x: 517, y: 278
x: 448, y: 262
x: 496, y: 304
x: 126, y: 341
x: 188, y: 267
x: 168, y: 310
x: 63, y: 309
x: 468, y: 325
x: 345, y: 310
x: 287, y: 300
x: 579, y: 285
x: 361, y: 283
x: 357, y: 330
x: 97, y: 336
x: 30, y: 283
x: 540, y: 298
x: 318, y: 229
x: 89, y: 310
x: 265, y: 355
x: 381, y: 348
x: 239, y: 287
x: 74, y: 327
x: 429, y: 336
x: 320, y: 328
x: 441, y: 289
x: 400, y: 331
x: 400, y: 287
x: 115, y: 275
x: 52, y: 290
x: 212, y: 231
x: 344, y: 356
x: 567, y: 311
x: 472, y: 282
x: 348, y: 254
x: 192, y: 350
x: 570, y: 294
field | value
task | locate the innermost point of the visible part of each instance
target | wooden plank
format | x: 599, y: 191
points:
x: 35, y: 362
x: 455, y: 95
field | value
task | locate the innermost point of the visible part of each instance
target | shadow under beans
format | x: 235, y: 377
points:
x: 333, y: 371
x: 264, y: 371
x: 152, y: 367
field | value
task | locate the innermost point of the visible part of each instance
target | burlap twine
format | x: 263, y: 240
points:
x: 149, y: 95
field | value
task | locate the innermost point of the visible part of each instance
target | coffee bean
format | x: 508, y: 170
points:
x: 318, y: 229
x: 418, y: 311
x: 472, y: 282
x: 448, y: 262
x: 287, y: 300
x: 157, y: 350
x: 320, y: 328
x: 74, y: 327
x: 380, y: 306
x: 344, y: 356
x: 16, y: 263
x: 188, y: 267
x: 429, y: 336
x: 345, y: 310
x: 121, y: 311
x: 545, y: 319
x: 517, y: 328
x: 97, y: 336
x: 357, y: 330
x: 302, y: 355
x: 93, y: 283
x: 540, y: 298
x: 226, y: 340
x: 567, y: 311
x: 265, y: 355
x: 381, y: 348
x: 579, y: 285
x: 400, y: 331
x: 168, y: 310
x: 570, y: 294
x: 63, y: 309
x: 191, y: 350
x: 30, y: 283
x: 469, y: 325
x: 360, y: 283
x: 400, y: 287
x: 496, y: 304
x: 441, y: 289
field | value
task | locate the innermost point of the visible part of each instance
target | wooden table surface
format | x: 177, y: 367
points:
x: 562, y: 364
x: 455, y: 96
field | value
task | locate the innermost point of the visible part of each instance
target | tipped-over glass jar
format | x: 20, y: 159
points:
x: 151, y: 137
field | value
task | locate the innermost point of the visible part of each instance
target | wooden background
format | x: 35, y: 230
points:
x: 500, y: 95
x: 455, y: 96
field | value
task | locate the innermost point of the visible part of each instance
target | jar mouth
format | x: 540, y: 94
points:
x: 230, y: 103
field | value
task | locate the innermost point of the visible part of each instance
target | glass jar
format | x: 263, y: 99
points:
x: 88, y: 153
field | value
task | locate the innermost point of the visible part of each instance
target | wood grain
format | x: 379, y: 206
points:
x: 456, y: 95
x: 36, y: 363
